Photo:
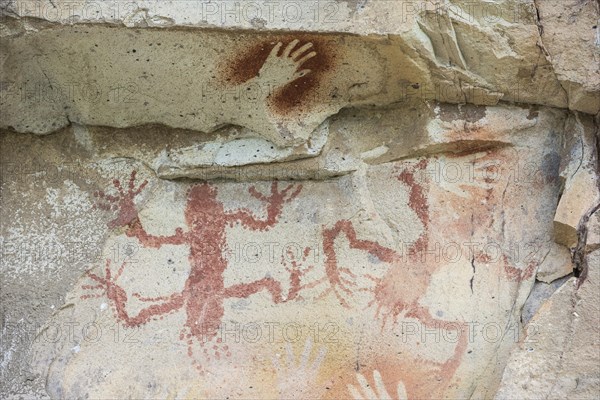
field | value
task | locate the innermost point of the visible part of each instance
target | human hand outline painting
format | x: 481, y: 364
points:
x: 281, y: 69
x: 366, y: 392
x: 275, y: 85
x: 297, y: 376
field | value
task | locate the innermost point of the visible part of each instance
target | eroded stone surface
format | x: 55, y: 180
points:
x: 593, y: 233
x: 559, y: 359
x: 580, y: 172
x: 394, y: 246
x: 254, y: 80
x: 454, y: 53
x: 569, y: 34
x: 558, y: 263
x: 246, y: 207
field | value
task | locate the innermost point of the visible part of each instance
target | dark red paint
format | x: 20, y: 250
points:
x: 204, y: 291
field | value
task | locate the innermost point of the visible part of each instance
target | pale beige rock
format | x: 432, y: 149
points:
x: 455, y: 53
x: 539, y: 295
x: 570, y: 35
x: 367, y: 223
x: 593, y: 233
x: 580, y: 171
x: 338, y: 147
x: 478, y: 265
x: 556, y: 264
x: 558, y: 357
x: 218, y: 78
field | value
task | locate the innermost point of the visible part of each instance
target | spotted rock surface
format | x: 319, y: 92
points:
x: 367, y: 199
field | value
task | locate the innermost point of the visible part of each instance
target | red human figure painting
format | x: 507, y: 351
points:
x: 204, y: 292
x: 342, y: 282
x: 402, y: 287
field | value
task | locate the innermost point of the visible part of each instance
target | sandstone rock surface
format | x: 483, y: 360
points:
x: 333, y: 199
x: 453, y: 52
x: 556, y: 359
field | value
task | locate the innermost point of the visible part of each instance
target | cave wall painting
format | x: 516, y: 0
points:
x: 388, y: 290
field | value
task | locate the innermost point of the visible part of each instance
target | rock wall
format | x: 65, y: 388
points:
x: 338, y: 199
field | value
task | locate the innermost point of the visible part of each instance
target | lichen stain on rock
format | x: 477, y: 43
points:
x: 296, y: 95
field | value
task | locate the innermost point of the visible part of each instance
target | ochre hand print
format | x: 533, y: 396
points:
x: 286, y: 70
x: 204, y: 291
x: 281, y: 69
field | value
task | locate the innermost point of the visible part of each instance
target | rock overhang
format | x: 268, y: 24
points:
x: 460, y: 53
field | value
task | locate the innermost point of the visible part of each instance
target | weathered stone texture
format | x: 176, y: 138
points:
x: 373, y: 199
x: 558, y: 357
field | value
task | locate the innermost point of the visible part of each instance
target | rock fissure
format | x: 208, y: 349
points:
x: 344, y: 199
